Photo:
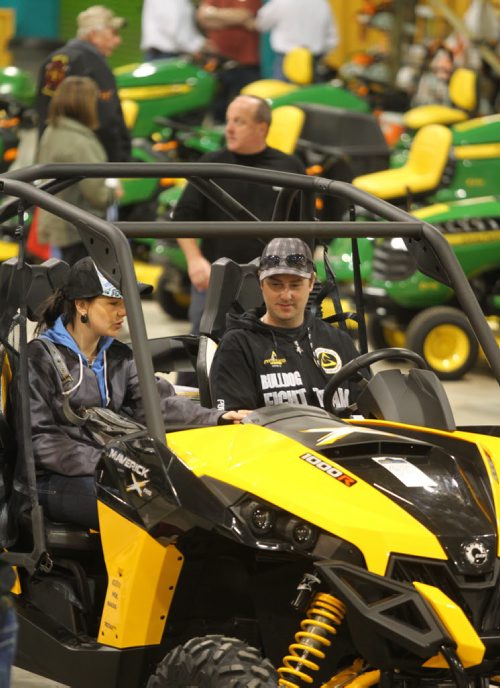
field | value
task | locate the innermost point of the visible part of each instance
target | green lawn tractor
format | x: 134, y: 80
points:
x: 333, y: 142
x: 409, y: 308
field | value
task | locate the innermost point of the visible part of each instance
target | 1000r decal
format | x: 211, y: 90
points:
x: 336, y: 473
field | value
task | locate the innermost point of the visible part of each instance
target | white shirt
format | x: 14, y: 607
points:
x: 299, y: 23
x: 169, y: 26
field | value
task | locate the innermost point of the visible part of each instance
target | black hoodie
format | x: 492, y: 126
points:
x: 259, y: 365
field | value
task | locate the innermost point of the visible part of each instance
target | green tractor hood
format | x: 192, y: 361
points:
x: 164, y: 88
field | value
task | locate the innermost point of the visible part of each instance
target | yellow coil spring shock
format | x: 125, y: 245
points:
x: 324, y: 613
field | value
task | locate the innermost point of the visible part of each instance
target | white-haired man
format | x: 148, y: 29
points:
x: 97, y: 38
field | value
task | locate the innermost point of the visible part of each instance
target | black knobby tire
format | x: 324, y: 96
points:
x: 444, y: 338
x: 175, y: 305
x: 214, y: 661
x: 376, y: 332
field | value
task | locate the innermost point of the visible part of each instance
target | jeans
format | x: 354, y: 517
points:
x: 69, y: 499
x: 8, y: 635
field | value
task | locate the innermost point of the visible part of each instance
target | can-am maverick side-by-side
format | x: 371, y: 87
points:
x: 297, y: 548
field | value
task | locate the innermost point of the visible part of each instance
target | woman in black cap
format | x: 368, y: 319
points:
x: 82, y: 320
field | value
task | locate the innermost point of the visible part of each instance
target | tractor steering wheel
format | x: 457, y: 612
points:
x: 352, y: 368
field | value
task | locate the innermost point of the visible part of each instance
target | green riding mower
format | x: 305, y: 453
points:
x: 293, y: 549
x: 409, y: 308
x: 335, y: 143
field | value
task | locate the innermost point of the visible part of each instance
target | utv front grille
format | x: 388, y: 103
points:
x: 477, y: 596
x: 392, y: 262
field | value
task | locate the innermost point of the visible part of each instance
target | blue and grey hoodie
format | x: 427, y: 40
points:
x: 60, y: 335
x: 112, y: 381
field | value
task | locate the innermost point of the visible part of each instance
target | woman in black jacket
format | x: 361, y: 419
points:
x: 82, y: 320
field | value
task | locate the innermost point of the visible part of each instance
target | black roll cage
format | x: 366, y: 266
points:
x: 110, y: 249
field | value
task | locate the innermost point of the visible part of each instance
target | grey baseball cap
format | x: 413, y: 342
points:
x: 286, y: 257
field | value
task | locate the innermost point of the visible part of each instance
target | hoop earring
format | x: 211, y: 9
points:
x: 84, y: 318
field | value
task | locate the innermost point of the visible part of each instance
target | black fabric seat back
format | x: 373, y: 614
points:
x: 233, y: 288
x: 357, y: 135
x: 16, y: 494
x: 45, y: 279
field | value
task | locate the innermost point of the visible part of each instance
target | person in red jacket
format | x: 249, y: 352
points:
x: 222, y: 21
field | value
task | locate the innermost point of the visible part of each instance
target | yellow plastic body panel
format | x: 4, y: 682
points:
x: 142, y: 576
x: 488, y: 446
x: 285, y: 129
x: 422, y: 172
x: 361, y: 515
x: 470, y: 648
x: 421, y: 116
x: 268, y: 88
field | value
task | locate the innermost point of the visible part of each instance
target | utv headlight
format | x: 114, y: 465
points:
x: 304, y: 535
x: 276, y: 528
x: 260, y: 517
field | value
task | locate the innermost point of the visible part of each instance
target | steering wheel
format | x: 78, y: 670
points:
x: 351, y: 369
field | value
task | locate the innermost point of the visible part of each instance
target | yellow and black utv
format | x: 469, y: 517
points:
x: 294, y: 549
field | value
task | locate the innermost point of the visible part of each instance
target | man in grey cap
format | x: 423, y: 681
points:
x: 281, y: 353
x: 97, y: 38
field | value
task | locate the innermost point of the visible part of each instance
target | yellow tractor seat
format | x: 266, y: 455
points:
x: 286, y: 127
x: 298, y: 67
x: 422, y: 172
x: 268, y: 88
x: 463, y: 93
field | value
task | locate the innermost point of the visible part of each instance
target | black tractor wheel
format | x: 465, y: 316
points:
x: 444, y: 338
x: 382, y: 333
x: 214, y: 661
x: 175, y: 304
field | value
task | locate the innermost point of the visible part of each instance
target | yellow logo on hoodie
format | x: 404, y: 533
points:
x: 274, y: 361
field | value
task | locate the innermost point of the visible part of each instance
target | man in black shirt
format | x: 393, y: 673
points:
x: 97, y: 37
x: 247, y: 124
x: 282, y: 353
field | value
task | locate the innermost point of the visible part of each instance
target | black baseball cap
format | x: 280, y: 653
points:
x: 85, y: 281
